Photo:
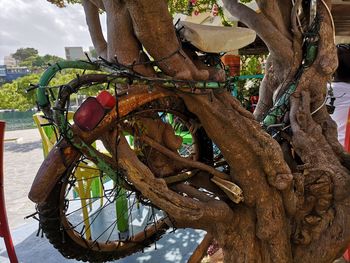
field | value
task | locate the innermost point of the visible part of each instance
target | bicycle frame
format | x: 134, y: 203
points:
x: 66, y: 151
x: 82, y: 140
x: 42, y: 93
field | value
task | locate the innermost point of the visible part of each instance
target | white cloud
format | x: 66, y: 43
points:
x: 41, y: 25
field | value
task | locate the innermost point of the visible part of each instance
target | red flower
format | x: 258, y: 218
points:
x: 213, y: 248
x: 215, y: 10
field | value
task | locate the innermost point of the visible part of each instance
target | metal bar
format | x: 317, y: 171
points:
x: 257, y: 76
x: 4, y: 227
x: 42, y: 95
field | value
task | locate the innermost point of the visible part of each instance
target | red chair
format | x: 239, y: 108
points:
x: 4, y: 227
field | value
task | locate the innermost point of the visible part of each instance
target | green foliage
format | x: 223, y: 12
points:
x: 63, y: 3
x: 179, y: 6
x: 35, y: 62
x: 187, y: 7
x: 251, y: 65
x: 93, y: 53
x: 22, y: 54
x: 195, y: 7
x: 13, y: 95
x: 29, y: 57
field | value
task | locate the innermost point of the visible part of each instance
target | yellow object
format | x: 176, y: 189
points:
x: 47, y: 133
x: 87, y: 175
x: 233, y: 191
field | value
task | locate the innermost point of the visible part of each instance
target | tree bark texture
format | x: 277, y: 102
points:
x: 296, y: 197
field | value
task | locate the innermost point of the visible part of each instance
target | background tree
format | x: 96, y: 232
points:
x: 29, y: 57
x: 22, y: 54
x: 14, y: 96
x: 296, y: 198
x: 35, y: 62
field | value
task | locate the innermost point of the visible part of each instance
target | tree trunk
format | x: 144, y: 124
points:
x: 296, y: 198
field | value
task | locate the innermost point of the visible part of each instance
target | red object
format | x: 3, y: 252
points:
x: 253, y: 102
x: 233, y: 62
x: 215, y: 10
x: 347, y: 148
x: 106, y: 99
x: 346, y: 255
x: 347, y: 134
x: 89, y: 114
x: 213, y: 248
x: 4, y: 227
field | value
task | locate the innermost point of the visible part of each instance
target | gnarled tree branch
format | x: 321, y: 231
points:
x: 94, y: 25
x: 279, y: 46
x: 197, y: 213
x: 326, y: 184
x: 247, y: 172
x: 186, y: 161
x: 153, y: 24
x: 123, y: 43
x: 277, y: 12
x: 268, y: 85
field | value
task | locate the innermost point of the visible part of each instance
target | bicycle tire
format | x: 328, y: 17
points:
x: 56, y: 226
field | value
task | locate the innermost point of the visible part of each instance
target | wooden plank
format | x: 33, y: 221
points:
x: 339, y: 10
x: 342, y: 33
x: 341, y: 17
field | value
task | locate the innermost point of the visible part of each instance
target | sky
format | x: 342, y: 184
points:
x: 43, y: 26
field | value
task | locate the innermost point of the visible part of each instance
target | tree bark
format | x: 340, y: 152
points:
x: 296, y: 198
x: 94, y: 25
x: 153, y: 24
x: 123, y: 45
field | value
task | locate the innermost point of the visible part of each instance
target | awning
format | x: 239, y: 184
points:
x: 216, y: 39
